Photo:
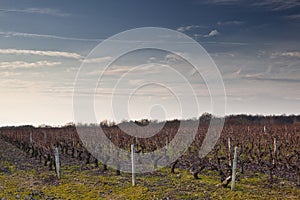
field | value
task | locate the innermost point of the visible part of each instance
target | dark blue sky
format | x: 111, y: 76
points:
x: 255, y: 44
x: 101, y: 19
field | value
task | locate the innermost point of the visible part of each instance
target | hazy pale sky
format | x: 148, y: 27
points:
x: 255, y: 44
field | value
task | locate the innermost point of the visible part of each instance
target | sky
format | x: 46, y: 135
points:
x: 254, y: 44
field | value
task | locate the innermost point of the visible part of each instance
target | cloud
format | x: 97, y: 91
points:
x: 9, y: 74
x: 97, y: 60
x: 273, y: 5
x: 189, y: 27
x: 295, y: 54
x: 17, y: 84
x: 293, y: 16
x: 113, y: 70
x: 136, y: 82
x: 276, y: 5
x: 43, y: 11
x: 235, y: 22
x: 221, y: 1
x: 287, y: 80
x: 171, y: 57
x: 121, y: 70
x: 292, y: 54
x: 34, y: 35
x: 226, y: 43
x: 41, y: 53
x: 239, y: 69
x: 22, y: 64
x: 212, y: 33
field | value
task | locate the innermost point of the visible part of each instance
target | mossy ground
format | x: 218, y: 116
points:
x: 91, y: 183
x: 22, y: 177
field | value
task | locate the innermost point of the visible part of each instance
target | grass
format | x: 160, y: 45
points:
x: 78, y: 183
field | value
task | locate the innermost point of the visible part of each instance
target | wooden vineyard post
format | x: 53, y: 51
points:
x: 167, y: 143
x: 229, y: 152
x: 234, y: 165
x: 298, y: 170
x: 166, y: 148
x: 57, y: 166
x: 132, y: 165
x: 275, y: 150
x: 31, y: 140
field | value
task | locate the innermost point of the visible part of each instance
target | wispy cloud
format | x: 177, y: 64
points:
x: 277, y: 4
x: 234, y: 22
x: 9, y: 74
x: 273, y: 5
x: 17, y: 84
x: 136, y: 82
x: 97, y: 60
x: 46, y: 36
x: 118, y: 70
x: 226, y: 43
x: 295, y: 54
x: 288, y: 80
x: 43, y: 11
x: 189, y: 27
x: 23, y: 65
x: 42, y: 53
x: 212, y: 33
x: 221, y: 1
x: 293, y: 16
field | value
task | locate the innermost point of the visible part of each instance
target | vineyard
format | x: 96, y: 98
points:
x: 267, y: 147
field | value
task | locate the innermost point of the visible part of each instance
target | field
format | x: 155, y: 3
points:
x: 267, y: 168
